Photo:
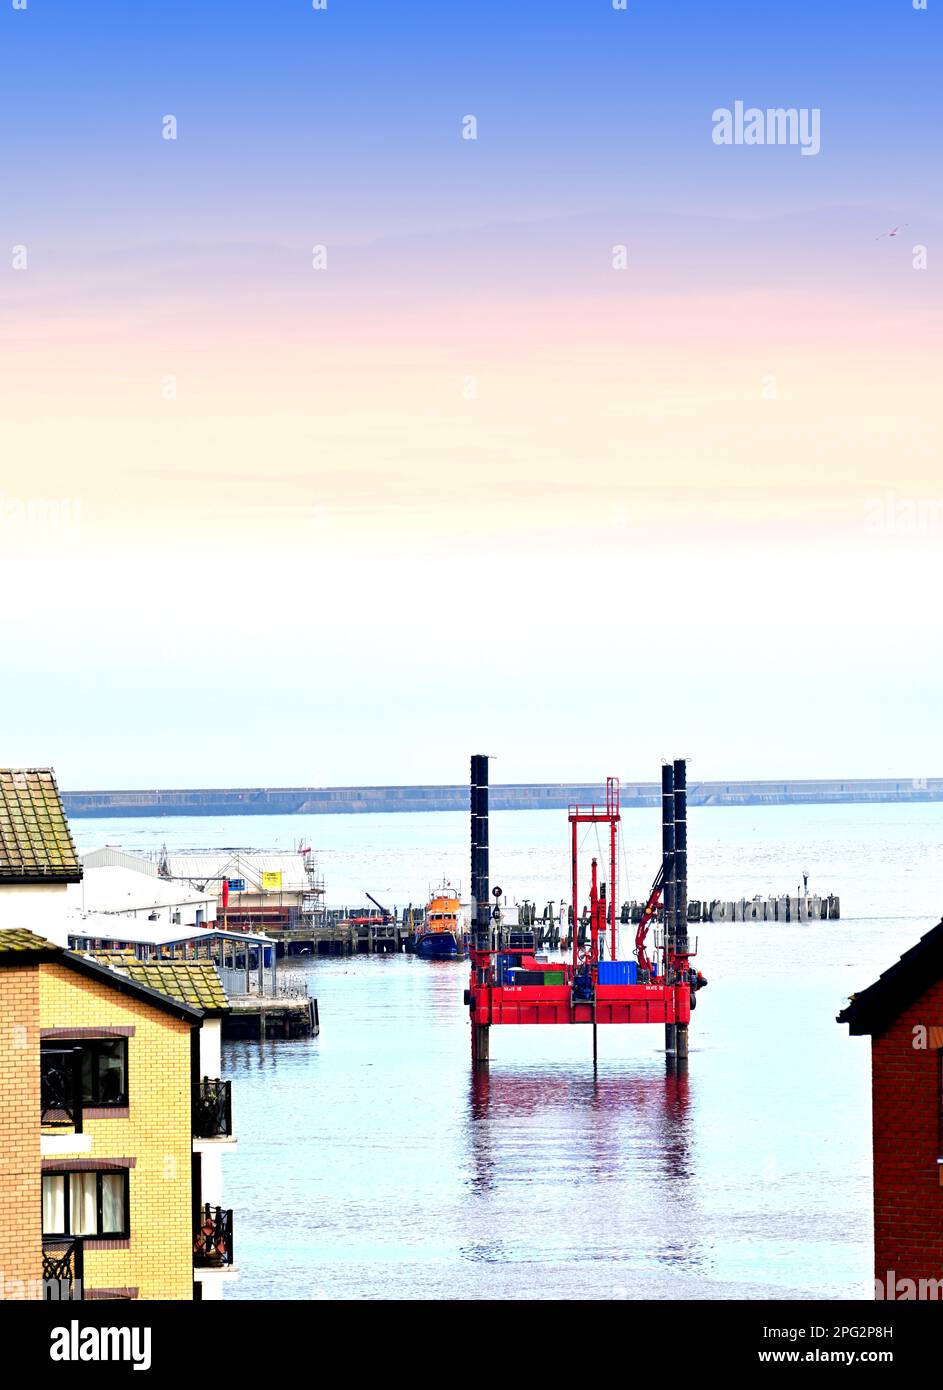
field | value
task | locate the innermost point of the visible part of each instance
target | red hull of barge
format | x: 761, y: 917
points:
x: 652, y: 1003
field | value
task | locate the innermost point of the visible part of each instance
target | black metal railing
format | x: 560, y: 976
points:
x: 212, y: 1241
x: 212, y: 1108
x: 60, y: 1086
x: 63, y: 1268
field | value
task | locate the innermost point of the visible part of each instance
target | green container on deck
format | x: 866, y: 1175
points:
x: 554, y: 977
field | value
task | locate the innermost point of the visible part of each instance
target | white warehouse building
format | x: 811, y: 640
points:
x: 133, y: 892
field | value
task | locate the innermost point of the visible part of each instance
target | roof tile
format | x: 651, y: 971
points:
x: 35, y: 842
x: 195, y: 982
x: 18, y: 939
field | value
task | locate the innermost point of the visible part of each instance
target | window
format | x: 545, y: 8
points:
x: 85, y: 1204
x: 104, y: 1069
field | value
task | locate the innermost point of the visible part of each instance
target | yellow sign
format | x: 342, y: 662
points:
x: 271, y: 880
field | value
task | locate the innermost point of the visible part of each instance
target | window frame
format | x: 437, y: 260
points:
x: 92, y: 1046
x: 98, y: 1234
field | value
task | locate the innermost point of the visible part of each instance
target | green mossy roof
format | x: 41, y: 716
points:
x: 18, y: 939
x: 35, y: 841
x: 193, y: 982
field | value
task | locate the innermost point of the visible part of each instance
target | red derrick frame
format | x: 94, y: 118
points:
x: 600, y: 907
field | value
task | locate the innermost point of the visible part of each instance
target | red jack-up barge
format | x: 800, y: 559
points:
x: 588, y: 989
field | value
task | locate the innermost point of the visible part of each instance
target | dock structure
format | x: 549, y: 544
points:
x: 347, y: 935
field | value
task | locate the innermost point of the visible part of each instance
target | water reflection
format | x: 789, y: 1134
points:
x: 617, y: 1142
x: 595, y: 1093
x: 629, y: 1108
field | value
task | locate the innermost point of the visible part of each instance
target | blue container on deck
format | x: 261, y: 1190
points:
x: 502, y: 969
x: 616, y: 972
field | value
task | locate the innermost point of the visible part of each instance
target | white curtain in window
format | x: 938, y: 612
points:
x: 112, y: 1203
x: 53, y: 1205
x: 83, y: 1202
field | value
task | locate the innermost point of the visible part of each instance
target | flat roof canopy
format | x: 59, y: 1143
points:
x: 155, y: 933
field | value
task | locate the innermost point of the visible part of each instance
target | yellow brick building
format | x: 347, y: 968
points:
x: 99, y: 1183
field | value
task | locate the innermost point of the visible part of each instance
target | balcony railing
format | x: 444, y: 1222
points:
x: 212, y: 1109
x: 60, y: 1086
x: 63, y: 1260
x: 212, y: 1241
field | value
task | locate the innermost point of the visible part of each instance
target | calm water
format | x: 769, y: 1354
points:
x: 372, y: 1163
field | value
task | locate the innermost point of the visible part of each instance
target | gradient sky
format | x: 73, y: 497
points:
x: 468, y: 487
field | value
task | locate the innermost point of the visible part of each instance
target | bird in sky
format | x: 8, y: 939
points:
x: 892, y: 232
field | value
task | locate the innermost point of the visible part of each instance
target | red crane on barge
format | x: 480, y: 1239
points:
x: 587, y: 989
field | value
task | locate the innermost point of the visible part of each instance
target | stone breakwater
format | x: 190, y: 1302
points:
x: 522, y: 796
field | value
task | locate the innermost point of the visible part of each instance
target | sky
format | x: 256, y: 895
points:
x: 335, y: 445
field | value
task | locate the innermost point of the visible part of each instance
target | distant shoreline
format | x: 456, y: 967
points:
x: 530, y: 796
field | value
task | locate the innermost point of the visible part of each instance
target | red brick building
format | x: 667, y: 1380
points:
x: 903, y: 1014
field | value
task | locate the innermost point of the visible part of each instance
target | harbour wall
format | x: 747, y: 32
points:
x: 262, y: 801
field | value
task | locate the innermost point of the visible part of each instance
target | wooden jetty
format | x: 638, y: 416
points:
x: 355, y: 935
x: 272, y: 1016
x: 787, y: 907
x: 344, y: 938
